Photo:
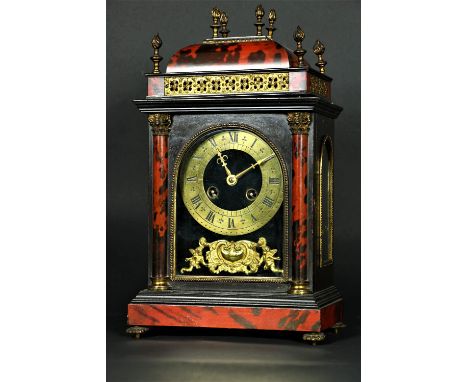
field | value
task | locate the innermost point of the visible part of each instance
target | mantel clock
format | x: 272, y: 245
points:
x: 241, y: 187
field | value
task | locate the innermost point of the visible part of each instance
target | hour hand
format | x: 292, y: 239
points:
x: 231, y: 180
x: 222, y: 161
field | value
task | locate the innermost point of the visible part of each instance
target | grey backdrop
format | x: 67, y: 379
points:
x: 130, y: 27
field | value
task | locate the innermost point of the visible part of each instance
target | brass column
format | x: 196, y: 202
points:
x: 299, y: 123
x: 159, y: 125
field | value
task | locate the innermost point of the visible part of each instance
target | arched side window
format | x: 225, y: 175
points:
x: 325, y: 210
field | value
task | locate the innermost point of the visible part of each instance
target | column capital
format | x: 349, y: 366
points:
x: 160, y: 123
x: 299, y: 122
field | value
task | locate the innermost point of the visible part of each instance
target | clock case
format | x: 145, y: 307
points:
x: 297, y: 116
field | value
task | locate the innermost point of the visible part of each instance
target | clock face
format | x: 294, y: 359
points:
x: 231, y: 182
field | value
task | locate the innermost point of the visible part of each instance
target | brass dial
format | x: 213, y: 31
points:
x: 232, y: 182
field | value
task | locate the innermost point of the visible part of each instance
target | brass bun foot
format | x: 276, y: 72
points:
x: 136, y: 331
x: 314, y: 338
x: 338, y: 326
x: 159, y: 284
x: 300, y: 288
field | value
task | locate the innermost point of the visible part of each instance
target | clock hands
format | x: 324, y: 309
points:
x: 231, y: 180
x: 258, y: 163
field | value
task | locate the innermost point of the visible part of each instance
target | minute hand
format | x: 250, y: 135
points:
x: 258, y: 163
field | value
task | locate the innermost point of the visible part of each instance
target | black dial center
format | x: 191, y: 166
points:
x: 232, y: 197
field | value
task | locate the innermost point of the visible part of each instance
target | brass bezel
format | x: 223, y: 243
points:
x: 173, y: 209
x: 327, y: 145
x: 188, y: 191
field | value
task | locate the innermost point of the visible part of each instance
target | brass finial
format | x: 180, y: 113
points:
x: 259, y: 12
x: 215, y: 13
x: 299, y: 52
x: 319, y: 50
x: 271, y: 19
x: 156, y: 42
x: 224, y: 20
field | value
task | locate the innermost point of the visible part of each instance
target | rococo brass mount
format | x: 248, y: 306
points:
x: 233, y: 256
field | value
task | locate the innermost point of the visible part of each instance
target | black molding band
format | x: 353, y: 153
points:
x: 251, y: 103
x: 316, y: 300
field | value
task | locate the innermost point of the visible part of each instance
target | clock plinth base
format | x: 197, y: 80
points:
x: 314, y: 312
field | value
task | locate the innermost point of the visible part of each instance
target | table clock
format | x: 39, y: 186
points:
x: 241, y: 148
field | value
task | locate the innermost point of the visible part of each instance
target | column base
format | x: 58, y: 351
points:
x: 300, y: 288
x: 159, y: 284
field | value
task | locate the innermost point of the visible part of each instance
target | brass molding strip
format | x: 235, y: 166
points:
x: 232, y: 40
x: 227, y: 84
x: 327, y: 146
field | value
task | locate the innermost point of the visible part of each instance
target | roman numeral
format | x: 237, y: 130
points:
x: 268, y: 202
x: 196, y: 200
x: 252, y: 145
x: 274, y: 180
x: 210, y: 217
x: 193, y: 179
x: 212, y: 141
x: 231, y: 223
x: 234, y: 135
x: 254, y: 219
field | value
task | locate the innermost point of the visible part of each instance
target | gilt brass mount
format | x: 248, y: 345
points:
x: 299, y: 122
x: 314, y: 338
x: 226, y: 84
x: 215, y: 14
x: 259, y: 13
x: 318, y: 86
x: 224, y: 20
x: 299, y: 36
x: 137, y: 331
x: 156, y: 43
x: 160, y: 123
x: 271, y: 20
x: 233, y: 256
x: 319, y: 50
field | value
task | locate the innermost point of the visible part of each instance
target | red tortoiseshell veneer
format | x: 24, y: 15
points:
x: 299, y: 205
x: 236, y: 317
x: 159, y: 205
x: 232, y: 56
